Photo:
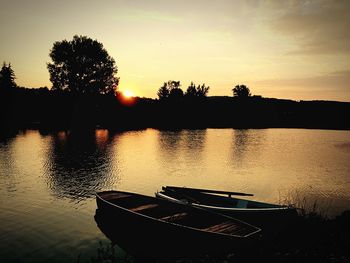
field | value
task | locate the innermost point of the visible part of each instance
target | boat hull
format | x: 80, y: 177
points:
x: 146, y: 237
x: 269, y: 217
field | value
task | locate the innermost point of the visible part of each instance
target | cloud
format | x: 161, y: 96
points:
x: 332, y: 79
x: 318, y: 27
x: 150, y: 15
x: 334, y: 85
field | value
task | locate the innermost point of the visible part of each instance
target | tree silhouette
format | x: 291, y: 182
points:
x: 82, y: 65
x: 199, y: 91
x: 175, y: 92
x: 241, y: 91
x: 170, y: 89
x: 202, y: 91
x: 163, y: 92
x: 191, y: 90
x: 7, y: 77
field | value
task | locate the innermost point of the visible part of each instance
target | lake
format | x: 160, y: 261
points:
x: 48, y: 180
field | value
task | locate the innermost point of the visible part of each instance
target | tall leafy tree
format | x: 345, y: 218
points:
x: 7, y: 77
x: 202, y: 91
x: 197, y: 91
x: 170, y: 89
x: 82, y: 65
x: 191, y: 90
x: 163, y: 92
x: 241, y: 91
x: 173, y: 84
x: 175, y: 90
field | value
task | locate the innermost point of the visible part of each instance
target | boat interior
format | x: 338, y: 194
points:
x: 179, y: 214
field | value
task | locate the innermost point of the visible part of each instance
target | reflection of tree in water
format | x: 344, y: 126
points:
x: 240, y: 143
x: 169, y: 142
x: 7, y: 136
x: 179, y: 150
x: 78, y: 165
x: 8, y: 170
x: 244, y: 141
x: 195, y: 140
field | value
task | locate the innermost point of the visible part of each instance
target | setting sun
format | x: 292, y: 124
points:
x: 127, y: 97
x: 128, y: 94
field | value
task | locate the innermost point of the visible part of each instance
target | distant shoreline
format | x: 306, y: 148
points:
x: 47, y: 110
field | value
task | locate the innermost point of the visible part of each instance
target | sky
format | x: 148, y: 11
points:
x: 297, y: 50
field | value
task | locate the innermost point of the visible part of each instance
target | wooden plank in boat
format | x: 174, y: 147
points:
x: 175, y: 217
x: 229, y: 228
x: 143, y: 207
x: 223, y: 227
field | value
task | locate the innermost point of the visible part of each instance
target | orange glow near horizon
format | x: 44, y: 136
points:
x: 279, y: 49
x: 127, y: 94
x: 127, y: 97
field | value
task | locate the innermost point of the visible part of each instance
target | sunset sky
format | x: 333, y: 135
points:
x: 284, y: 49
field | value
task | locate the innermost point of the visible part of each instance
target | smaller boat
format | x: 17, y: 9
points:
x: 149, y: 227
x: 265, y: 215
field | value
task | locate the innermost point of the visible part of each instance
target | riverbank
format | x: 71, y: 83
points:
x: 312, y: 238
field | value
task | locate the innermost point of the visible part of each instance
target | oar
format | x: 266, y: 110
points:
x: 175, y: 188
x: 189, y: 198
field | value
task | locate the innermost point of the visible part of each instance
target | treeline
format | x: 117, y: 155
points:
x: 22, y: 108
x: 84, y: 95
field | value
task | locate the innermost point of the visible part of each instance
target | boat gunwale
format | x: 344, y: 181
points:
x: 226, y: 209
x: 175, y: 224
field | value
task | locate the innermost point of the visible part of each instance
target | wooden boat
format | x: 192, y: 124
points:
x: 150, y: 227
x: 260, y: 214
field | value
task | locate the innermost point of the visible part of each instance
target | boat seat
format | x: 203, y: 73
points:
x: 143, y: 207
x: 230, y: 228
x: 175, y: 217
x: 242, y: 204
x: 224, y: 227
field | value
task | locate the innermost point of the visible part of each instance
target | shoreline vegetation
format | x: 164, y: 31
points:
x: 52, y: 110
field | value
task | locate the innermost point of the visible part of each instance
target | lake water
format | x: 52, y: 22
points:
x: 48, y: 181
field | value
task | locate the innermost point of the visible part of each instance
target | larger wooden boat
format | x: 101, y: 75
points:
x: 265, y: 215
x: 150, y: 227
